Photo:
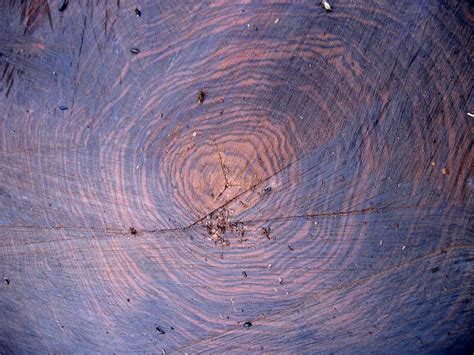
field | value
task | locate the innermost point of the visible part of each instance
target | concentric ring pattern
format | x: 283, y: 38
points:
x: 306, y: 172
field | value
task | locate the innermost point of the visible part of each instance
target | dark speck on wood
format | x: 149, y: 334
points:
x: 267, y: 190
x: 266, y: 232
x: 160, y: 331
x: 201, y: 96
x: 63, y: 108
x: 138, y: 12
x: 64, y: 5
x: 135, y: 51
x: 247, y: 325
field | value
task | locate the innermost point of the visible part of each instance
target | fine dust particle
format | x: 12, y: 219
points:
x: 247, y: 325
x: 63, y: 108
x: 325, y: 5
x: 404, y: 247
x: 290, y: 247
x: 269, y: 266
x: 132, y: 231
x: 160, y: 331
x: 194, y: 134
x: 277, y: 20
x: 435, y: 269
x: 201, y: 96
x: 244, y: 274
x: 470, y: 114
x: 7, y: 281
x: 135, y: 51
x: 433, y: 164
x: 138, y: 12
x: 381, y: 242
x: 280, y: 281
x: 445, y: 171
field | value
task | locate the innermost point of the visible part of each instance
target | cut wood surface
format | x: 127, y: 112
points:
x: 225, y: 176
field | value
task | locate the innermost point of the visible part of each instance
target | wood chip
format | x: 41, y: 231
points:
x: 325, y: 5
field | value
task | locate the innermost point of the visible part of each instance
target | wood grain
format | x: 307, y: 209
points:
x: 320, y: 188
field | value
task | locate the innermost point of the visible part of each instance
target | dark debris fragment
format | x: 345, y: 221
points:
x: 63, y: 6
x: 135, y: 51
x: 138, y: 12
x: 159, y: 330
x: 266, y: 232
x: 219, y: 228
x: 247, y: 325
x: 201, y: 96
x: 267, y: 190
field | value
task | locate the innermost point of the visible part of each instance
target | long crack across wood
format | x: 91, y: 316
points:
x: 224, y: 169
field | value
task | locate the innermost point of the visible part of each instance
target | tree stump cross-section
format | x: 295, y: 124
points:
x: 236, y: 176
